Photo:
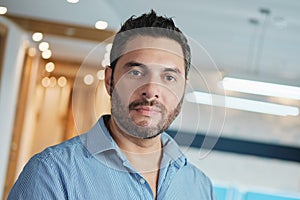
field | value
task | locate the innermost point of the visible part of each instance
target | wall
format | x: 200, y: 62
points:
x: 249, y: 173
x: 11, y: 71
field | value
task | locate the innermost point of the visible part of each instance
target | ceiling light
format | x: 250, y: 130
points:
x: 105, y: 62
x: 52, y: 82
x: 49, y: 67
x: 62, y: 81
x: 31, y: 51
x: 88, y: 79
x: 73, y: 1
x: 43, y: 46
x: 37, y: 36
x: 45, y: 82
x: 101, y: 25
x: 241, y: 104
x: 46, y: 54
x: 100, y: 74
x: 261, y: 88
x: 3, y: 10
x: 70, y: 31
x: 108, y: 47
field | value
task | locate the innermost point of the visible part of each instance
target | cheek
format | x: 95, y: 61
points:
x: 127, y: 90
x: 172, y: 97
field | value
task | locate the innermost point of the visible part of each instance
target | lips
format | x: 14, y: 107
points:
x: 147, y: 110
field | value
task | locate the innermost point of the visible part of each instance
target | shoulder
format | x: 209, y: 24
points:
x: 63, y: 152
x: 47, y: 172
x: 196, y: 174
x: 196, y: 184
x: 200, y: 181
x: 197, y: 178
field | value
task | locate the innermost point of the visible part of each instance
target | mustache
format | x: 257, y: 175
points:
x: 144, y: 102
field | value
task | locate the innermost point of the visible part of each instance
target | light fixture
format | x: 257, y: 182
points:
x: 101, y: 25
x: 49, y: 67
x: 31, y: 51
x: 46, y: 82
x: 108, y: 47
x: 241, y: 104
x: 105, y: 62
x: 62, y: 81
x: 261, y: 88
x: 52, y: 81
x: 37, y: 36
x: 88, y: 79
x: 47, y: 54
x: 43, y: 46
x: 73, y: 1
x: 100, y: 74
x: 3, y: 10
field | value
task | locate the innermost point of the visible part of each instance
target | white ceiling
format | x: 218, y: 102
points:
x: 221, y: 27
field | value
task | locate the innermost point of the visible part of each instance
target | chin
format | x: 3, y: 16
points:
x: 152, y: 136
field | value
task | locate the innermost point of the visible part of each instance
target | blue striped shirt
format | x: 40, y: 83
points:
x: 91, y: 166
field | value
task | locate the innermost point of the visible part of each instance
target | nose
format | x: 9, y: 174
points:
x: 150, y: 92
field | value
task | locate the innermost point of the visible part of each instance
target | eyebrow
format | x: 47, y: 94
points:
x: 135, y: 64
x: 138, y: 64
x: 175, y: 70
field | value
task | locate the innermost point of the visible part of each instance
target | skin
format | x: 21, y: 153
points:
x: 148, y: 87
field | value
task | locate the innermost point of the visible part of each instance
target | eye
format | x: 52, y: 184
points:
x: 135, y: 73
x: 170, y: 78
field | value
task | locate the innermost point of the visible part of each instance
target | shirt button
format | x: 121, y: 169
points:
x: 142, y: 181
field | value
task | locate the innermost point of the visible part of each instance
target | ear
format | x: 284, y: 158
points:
x: 108, y: 75
x: 187, y: 81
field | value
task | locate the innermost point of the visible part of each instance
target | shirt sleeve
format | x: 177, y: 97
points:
x: 38, y: 180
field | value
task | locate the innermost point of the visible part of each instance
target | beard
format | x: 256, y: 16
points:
x: 120, y: 113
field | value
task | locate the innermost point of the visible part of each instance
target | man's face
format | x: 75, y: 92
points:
x: 148, y: 86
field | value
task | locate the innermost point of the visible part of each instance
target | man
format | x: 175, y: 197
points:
x: 127, y: 155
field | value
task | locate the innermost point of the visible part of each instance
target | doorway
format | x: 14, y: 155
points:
x: 48, y: 111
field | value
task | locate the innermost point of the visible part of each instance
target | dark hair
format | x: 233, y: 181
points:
x: 149, y: 24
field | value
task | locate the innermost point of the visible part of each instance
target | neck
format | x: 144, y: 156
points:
x: 143, y: 154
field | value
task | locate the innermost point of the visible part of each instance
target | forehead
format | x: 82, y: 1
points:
x: 154, y: 43
x: 153, y: 50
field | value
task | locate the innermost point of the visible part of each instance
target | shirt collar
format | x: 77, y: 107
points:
x: 98, y: 140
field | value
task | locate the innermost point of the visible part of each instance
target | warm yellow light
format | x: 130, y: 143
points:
x: 52, y: 82
x: 37, y: 36
x: 101, y: 25
x: 100, y: 74
x: 3, y: 10
x: 31, y: 52
x: 45, y: 82
x: 62, y: 81
x: 49, y: 67
x: 47, y: 54
x: 43, y: 46
x: 88, y: 79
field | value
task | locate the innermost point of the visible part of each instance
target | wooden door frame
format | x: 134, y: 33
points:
x: 3, y: 37
x: 46, y: 27
x: 18, y: 126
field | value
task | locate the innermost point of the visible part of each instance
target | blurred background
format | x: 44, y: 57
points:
x: 240, y: 121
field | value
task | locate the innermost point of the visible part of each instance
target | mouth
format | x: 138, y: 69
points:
x: 147, y: 110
